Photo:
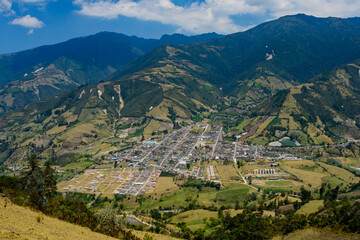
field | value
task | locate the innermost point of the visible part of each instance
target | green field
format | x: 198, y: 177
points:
x: 194, y: 219
x: 232, y: 192
x: 78, y: 165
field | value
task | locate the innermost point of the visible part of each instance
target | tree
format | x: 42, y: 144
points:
x: 305, y: 195
x: 39, y: 184
x: 49, y: 181
x: 32, y: 181
x: 322, y: 190
x: 237, y: 205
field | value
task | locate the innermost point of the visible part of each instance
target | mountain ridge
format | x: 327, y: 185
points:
x: 41, y: 72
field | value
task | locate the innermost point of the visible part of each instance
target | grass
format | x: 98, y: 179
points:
x: 274, y: 122
x: 194, y: 219
x: 232, y: 192
x: 260, y: 141
x: 318, y: 234
x: 341, y: 173
x: 154, y: 236
x: 165, y: 185
x: 34, y: 225
x: 153, y: 126
x: 349, y: 162
x: 228, y: 195
x: 78, y: 165
x: 227, y: 173
x: 311, y: 207
x: 137, y: 133
x: 307, y: 171
x: 317, y: 136
x: 288, y: 185
x: 290, y: 106
x: 293, y: 125
x: 244, y: 124
x: 262, y: 127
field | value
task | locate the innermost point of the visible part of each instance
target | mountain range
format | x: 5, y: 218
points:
x: 42, y: 72
x: 296, y: 67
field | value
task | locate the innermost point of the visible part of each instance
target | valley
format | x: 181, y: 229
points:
x: 252, y: 135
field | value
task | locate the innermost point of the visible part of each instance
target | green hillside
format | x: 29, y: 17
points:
x: 43, y: 72
x: 325, y: 108
x: 257, y: 63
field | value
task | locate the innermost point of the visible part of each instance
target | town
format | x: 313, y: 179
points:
x: 190, y: 152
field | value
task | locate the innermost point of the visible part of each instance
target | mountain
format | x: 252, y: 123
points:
x: 255, y: 64
x: 174, y: 85
x: 39, y: 73
x: 327, y: 108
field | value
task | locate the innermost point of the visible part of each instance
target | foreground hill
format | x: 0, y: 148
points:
x: 35, y: 225
x: 42, y: 72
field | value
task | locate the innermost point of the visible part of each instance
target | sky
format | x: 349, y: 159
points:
x: 27, y: 24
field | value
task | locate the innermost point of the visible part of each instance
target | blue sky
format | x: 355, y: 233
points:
x: 30, y: 23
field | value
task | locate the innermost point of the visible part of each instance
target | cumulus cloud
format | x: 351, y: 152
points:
x: 5, y: 5
x: 28, y: 22
x: 213, y: 15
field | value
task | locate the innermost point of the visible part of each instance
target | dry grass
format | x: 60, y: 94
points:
x: 318, y: 234
x: 341, y: 173
x: 161, y: 111
x: 307, y: 171
x: 290, y: 106
x: 21, y: 223
x: 227, y: 173
x: 244, y: 124
x: 165, y: 185
x: 155, y: 236
x: 317, y: 136
x: 311, y: 207
x: 153, y: 125
x: 293, y: 125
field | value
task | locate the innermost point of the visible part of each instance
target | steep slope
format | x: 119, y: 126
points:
x: 107, y: 116
x: 257, y: 63
x: 42, y: 72
x: 328, y: 107
x: 173, y: 84
x: 44, y: 228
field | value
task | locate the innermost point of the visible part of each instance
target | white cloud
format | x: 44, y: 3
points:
x: 214, y: 15
x: 5, y: 5
x: 28, y: 22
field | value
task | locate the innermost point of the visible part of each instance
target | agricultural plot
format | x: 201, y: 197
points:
x: 286, y: 185
x: 227, y: 173
x: 340, y: 173
x: 232, y: 192
x: 307, y: 171
x: 194, y: 219
x: 112, y: 181
x: 165, y: 185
